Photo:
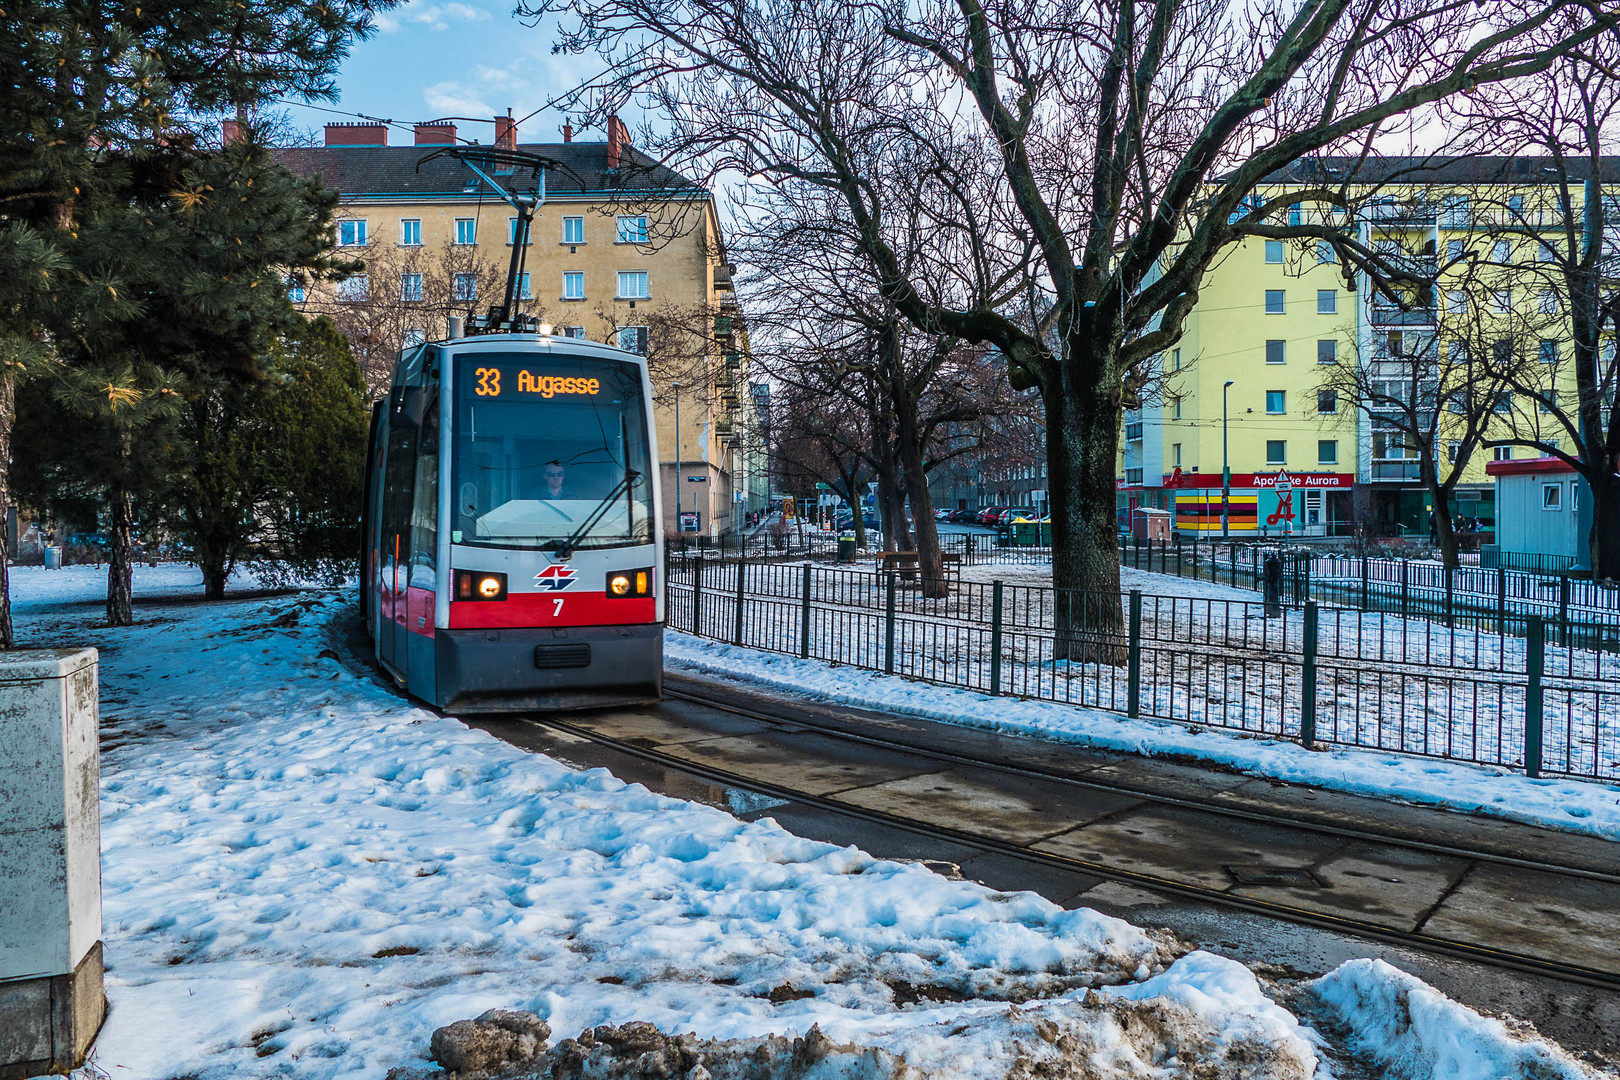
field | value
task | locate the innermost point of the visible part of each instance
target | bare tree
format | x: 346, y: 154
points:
x: 1105, y: 152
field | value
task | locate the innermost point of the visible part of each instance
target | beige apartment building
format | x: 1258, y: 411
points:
x: 621, y: 250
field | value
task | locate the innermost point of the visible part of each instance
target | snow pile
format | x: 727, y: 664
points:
x: 1414, y: 1032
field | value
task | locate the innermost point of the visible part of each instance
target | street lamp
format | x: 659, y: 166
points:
x: 675, y: 386
x: 1226, y: 472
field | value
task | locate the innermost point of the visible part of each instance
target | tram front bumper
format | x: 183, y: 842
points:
x: 507, y: 670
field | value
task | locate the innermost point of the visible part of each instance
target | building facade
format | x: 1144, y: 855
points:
x: 621, y: 250
x: 1296, y: 378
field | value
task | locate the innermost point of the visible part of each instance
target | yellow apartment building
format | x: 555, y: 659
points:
x: 622, y: 250
x: 1250, y: 384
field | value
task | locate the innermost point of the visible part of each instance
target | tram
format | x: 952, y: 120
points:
x: 512, y: 555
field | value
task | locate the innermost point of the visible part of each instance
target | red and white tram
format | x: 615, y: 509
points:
x: 513, y: 552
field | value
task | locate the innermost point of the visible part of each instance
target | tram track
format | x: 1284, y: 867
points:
x: 1565, y: 967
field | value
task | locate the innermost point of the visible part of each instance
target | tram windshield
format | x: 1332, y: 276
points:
x: 550, y: 451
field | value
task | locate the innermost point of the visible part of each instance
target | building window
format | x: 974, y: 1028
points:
x: 1454, y: 212
x: 1325, y: 252
x: 573, y: 230
x: 1175, y: 359
x: 632, y: 230
x: 1275, y: 400
x: 1274, y: 301
x: 1548, y: 351
x: 1547, y: 401
x: 410, y: 232
x: 1327, y: 451
x: 1549, y: 302
x: 1545, y: 252
x: 575, y: 332
x: 1175, y: 407
x: 1296, y: 214
x: 633, y: 285
x: 1133, y: 477
x: 1274, y: 251
x: 1504, y: 401
x: 1327, y: 351
x: 524, y: 290
x: 410, y: 288
x: 573, y: 285
x: 1502, y: 301
x: 352, y: 233
x: 465, y: 288
x: 296, y: 291
x: 1502, y: 453
x: 1327, y: 301
x: 466, y: 230
x: 1276, y: 451
x: 1327, y: 401
x: 1453, y: 448
x: 1502, y: 251
x: 1175, y: 454
x: 633, y: 339
x: 413, y: 336
x: 352, y: 290
x: 1454, y: 250
x: 511, y: 232
x: 1274, y: 352
x: 1552, y: 496
x: 1456, y: 302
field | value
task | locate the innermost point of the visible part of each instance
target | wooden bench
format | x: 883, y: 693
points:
x: 906, y: 563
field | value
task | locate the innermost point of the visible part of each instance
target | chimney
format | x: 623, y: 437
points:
x: 568, y: 132
x: 435, y: 133
x: 506, y: 132
x: 618, y: 139
x: 356, y: 135
x: 229, y: 131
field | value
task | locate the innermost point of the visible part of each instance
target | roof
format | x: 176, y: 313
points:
x: 1437, y: 170
x: 1528, y: 465
x: 392, y: 170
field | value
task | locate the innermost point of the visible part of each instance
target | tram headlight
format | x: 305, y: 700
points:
x: 480, y: 585
x: 630, y: 583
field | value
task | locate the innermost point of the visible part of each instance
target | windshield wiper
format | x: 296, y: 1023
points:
x: 566, y: 547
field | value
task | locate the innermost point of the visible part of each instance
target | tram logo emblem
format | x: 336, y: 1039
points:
x: 554, y: 578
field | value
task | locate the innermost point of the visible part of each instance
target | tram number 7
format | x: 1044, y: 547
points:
x: 556, y: 608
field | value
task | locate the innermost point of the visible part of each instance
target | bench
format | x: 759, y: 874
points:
x: 906, y: 563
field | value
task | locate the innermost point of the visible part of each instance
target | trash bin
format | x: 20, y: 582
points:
x: 846, y: 547
x: 53, y: 557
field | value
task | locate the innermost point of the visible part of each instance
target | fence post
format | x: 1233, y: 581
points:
x: 1307, y: 690
x: 888, y: 625
x: 1406, y: 595
x: 1364, y: 584
x: 1534, y: 640
x: 804, y: 617
x: 1563, y: 610
x: 1451, y: 614
x: 1133, y: 661
x: 697, y: 597
x: 1501, y: 598
x: 741, y: 567
x: 995, y: 637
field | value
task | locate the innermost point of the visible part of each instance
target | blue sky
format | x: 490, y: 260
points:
x: 433, y: 58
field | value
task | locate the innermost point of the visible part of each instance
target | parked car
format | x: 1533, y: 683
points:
x: 963, y: 516
x: 988, y: 515
x: 942, y: 514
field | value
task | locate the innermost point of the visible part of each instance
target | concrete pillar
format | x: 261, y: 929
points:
x: 51, y: 1003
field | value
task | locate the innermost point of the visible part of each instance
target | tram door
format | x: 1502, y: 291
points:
x: 394, y: 554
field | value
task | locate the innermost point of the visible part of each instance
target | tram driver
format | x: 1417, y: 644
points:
x: 554, y: 476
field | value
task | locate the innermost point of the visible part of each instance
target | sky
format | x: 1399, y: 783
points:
x: 466, y: 58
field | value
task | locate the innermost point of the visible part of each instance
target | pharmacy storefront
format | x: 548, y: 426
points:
x: 1264, y: 504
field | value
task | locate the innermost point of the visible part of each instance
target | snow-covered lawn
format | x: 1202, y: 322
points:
x: 304, y: 875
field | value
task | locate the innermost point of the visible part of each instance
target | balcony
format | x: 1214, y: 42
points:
x: 734, y: 361
x: 1383, y: 315
x: 1400, y: 215
x: 1395, y: 470
x: 722, y: 326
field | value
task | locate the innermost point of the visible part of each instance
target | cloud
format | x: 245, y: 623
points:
x: 432, y: 16
x: 455, y: 99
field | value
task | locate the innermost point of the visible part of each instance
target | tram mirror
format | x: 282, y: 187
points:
x: 407, y: 405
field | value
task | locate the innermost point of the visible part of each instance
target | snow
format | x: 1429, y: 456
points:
x: 1571, y: 805
x: 1414, y: 1032
x: 305, y: 875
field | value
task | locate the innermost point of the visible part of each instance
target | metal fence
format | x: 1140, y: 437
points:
x: 1515, y: 693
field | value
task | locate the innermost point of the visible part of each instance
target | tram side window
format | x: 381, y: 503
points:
x: 425, y: 502
x: 398, y: 477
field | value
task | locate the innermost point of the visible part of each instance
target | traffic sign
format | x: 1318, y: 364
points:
x: 697, y: 479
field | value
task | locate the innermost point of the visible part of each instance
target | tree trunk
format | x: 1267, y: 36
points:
x: 909, y: 442
x: 1605, y: 535
x: 1445, y: 537
x: 1082, y: 436
x: 8, y: 417
x: 215, y: 574
x: 120, y: 565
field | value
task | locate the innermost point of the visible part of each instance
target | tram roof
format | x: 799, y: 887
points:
x: 391, y: 171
